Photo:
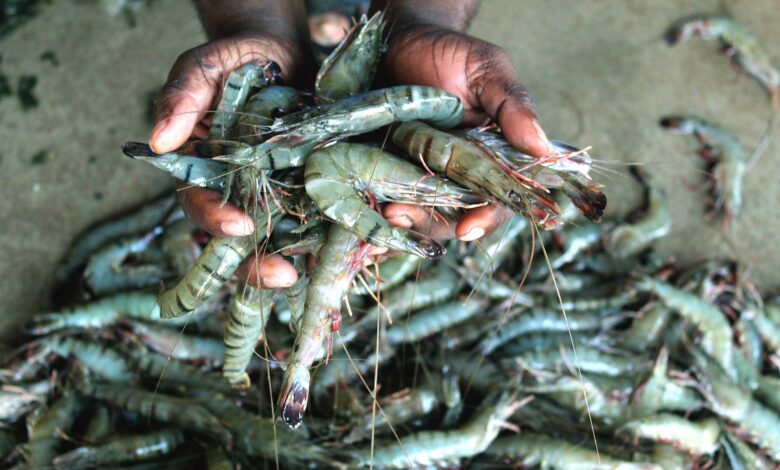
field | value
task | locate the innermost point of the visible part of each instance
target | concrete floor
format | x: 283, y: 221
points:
x: 598, y: 69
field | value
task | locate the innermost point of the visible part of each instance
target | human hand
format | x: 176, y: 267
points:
x: 482, y: 76
x: 182, y: 111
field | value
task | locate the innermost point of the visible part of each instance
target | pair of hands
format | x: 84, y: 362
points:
x: 479, y: 73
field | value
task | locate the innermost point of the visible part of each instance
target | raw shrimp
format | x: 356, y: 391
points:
x: 140, y: 221
x: 744, y: 49
x: 180, y: 246
x: 341, y: 258
x: 434, y: 320
x: 216, y: 264
x: 108, y: 270
x: 298, y: 134
x: 729, y: 162
x: 350, y: 68
x: 732, y: 402
x: 443, y: 448
x: 337, y: 177
x: 630, y: 239
x: 530, y: 449
x: 19, y: 399
x: 101, y: 360
x: 393, y: 272
x: 235, y: 93
x: 694, y: 437
x: 262, y: 108
x: 249, y: 313
x: 194, y: 171
x: 176, y: 345
x: 715, y: 330
x: 589, y: 359
x: 47, y: 429
x: 185, y: 413
x: 123, y: 450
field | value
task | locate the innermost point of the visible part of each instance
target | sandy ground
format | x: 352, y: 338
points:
x: 598, y: 69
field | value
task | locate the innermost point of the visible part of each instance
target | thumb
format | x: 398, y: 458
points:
x: 508, y: 103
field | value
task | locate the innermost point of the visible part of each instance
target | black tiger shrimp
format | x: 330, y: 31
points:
x: 745, y: 50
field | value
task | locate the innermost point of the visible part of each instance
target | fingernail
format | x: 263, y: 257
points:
x: 473, y: 234
x: 541, y: 139
x: 158, y: 136
x: 275, y: 281
x: 238, y: 228
x: 402, y: 221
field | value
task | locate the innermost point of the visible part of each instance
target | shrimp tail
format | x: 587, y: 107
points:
x: 294, y: 395
x: 588, y: 198
x: 138, y: 150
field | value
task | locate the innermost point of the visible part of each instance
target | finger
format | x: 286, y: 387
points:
x: 481, y: 222
x: 506, y: 100
x: 196, y: 80
x: 421, y: 219
x: 204, y: 207
x: 267, y: 271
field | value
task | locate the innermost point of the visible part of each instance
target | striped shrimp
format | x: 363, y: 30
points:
x: 262, y: 108
x: 216, y: 264
x: 434, y: 320
x: 101, y: 360
x: 126, y: 449
x: 478, y: 169
x: 249, y: 313
x: 139, y: 221
x: 192, y: 170
x: 632, y: 238
x: 340, y: 259
x: 235, y: 93
x: 443, y: 448
x: 716, y: 333
x: 180, y: 245
x: 733, y: 402
x: 177, y: 346
x: 728, y: 158
x: 46, y: 430
x: 694, y: 437
x: 298, y: 134
x: 337, y: 176
x: 182, y: 412
x: 108, y: 270
x: 350, y: 68
x: 744, y: 49
x: 530, y: 450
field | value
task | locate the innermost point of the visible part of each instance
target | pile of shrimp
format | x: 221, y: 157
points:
x: 576, y: 347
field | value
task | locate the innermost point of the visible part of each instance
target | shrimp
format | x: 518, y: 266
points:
x: 139, y: 221
x: 433, y: 320
x: 185, y: 413
x: 249, y: 313
x: 716, y: 334
x: 216, y: 264
x: 235, y: 93
x: 19, y: 399
x: 337, y: 176
x: 744, y: 49
x: 108, y: 270
x: 630, y: 239
x: 729, y: 163
x: 530, y: 449
x: 350, y: 68
x: 590, y: 359
x: 262, y: 107
x: 399, y: 408
x: 740, y: 455
x: 46, y: 430
x: 341, y: 258
x: 180, y: 246
x: 298, y: 134
x: 647, y: 330
x: 295, y: 295
x: 546, y: 321
x: 442, y: 448
x: 98, y: 314
x: 177, y: 346
x: 192, y: 170
x: 123, y: 450
x: 694, y: 437
x: 393, y: 272
x: 465, y: 162
x: 566, y: 167
x: 730, y: 401
x: 104, y: 362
